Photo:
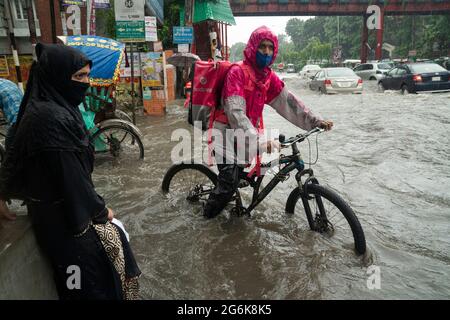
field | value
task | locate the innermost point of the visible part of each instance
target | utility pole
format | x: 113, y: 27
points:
x: 12, y: 39
x: 53, y: 20
x: 90, y: 13
x: 32, y: 27
x: 189, y: 17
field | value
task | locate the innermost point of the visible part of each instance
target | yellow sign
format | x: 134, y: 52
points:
x: 4, y: 70
x: 152, y: 69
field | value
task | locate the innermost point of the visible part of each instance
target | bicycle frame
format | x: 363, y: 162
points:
x: 292, y: 162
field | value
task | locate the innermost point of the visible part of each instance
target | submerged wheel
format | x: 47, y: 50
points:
x: 380, y: 87
x: 327, y: 213
x: 404, y: 89
x: 192, y: 182
x: 118, y: 143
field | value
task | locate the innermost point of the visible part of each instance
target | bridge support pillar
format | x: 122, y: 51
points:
x: 379, y: 47
x: 364, y: 40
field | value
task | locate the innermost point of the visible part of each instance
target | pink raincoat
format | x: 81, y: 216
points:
x: 243, y: 101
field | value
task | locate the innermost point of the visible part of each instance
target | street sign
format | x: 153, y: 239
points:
x: 183, y: 34
x: 151, y: 33
x: 183, y: 47
x: 130, y: 31
x: 412, y: 53
x: 129, y: 10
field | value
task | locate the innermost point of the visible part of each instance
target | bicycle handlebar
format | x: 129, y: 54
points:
x: 298, y: 138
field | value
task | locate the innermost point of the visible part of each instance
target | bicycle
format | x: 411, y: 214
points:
x: 317, y: 201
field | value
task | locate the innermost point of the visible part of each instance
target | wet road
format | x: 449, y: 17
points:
x: 388, y: 156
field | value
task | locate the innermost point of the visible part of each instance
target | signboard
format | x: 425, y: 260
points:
x: 337, y: 54
x: 129, y: 10
x: 151, y: 33
x: 412, y: 53
x: 183, y: 34
x: 80, y: 3
x: 130, y: 31
x: 98, y: 4
x: 102, y: 4
x: 152, y: 69
x: 125, y: 72
x: 183, y: 47
x: 4, y: 70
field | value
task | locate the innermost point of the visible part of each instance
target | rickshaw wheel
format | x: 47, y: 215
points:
x: 118, y: 143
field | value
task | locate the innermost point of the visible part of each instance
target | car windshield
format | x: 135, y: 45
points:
x: 384, y: 66
x: 312, y: 67
x: 340, y: 73
x: 426, y: 67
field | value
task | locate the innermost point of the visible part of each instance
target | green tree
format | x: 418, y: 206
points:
x: 171, y: 18
x: 237, y: 52
x: 106, y: 22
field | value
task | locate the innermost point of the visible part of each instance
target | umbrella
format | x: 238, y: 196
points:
x: 183, y: 59
x: 106, y: 55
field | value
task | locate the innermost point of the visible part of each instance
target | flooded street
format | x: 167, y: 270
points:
x: 388, y: 156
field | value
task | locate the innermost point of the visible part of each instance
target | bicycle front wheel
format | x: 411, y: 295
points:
x: 328, y: 214
x: 191, y: 182
x: 118, y: 144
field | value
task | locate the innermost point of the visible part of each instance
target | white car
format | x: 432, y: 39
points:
x: 373, y: 70
x: 309, y: 71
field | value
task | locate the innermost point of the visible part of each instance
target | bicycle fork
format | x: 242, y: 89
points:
x: 317, y: 221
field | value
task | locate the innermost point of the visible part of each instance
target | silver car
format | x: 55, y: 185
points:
x: 309, y: 71
x: 372, y: 71
x: 336, y: 80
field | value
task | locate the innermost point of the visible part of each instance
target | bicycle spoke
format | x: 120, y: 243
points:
x: 117, y: 144
x: 331, y: 222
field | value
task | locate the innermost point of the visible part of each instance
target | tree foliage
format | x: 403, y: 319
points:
x: 314, y: 38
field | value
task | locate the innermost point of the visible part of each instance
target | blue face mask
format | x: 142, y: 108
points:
x: 262, y: 60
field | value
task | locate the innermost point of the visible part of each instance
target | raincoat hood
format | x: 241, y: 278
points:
x: 256, y: 37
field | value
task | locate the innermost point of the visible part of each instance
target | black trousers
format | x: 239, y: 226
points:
x: 227, y: 183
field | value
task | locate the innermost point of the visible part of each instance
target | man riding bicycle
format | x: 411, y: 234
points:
x: 242, y: 107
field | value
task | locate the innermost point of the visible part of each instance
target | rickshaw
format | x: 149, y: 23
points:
x: 113, y: 133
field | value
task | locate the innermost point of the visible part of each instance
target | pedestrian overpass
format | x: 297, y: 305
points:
x: 342, y: 8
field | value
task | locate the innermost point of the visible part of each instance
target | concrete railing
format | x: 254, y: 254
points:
x: 24, y: 272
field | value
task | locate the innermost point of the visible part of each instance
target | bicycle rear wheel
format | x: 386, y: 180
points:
x: 328, y: 214
x: 189, y: 182
x: 118, y: 144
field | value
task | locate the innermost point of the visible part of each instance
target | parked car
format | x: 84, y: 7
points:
x: 335, y: 80
x: 290, y: 68
x: 309, y: 71
x: 416, y: 77
x: 373, y: 70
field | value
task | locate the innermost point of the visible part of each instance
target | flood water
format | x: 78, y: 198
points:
x: 387, y: 156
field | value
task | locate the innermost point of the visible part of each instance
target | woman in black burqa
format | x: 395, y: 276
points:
x: 49, y: 166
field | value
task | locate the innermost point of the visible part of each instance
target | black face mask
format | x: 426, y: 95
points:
x: 76, y: 93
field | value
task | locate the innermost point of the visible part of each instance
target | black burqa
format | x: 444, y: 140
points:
x: 49, y: 165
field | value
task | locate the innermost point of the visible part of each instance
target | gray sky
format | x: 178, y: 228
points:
x: 245, y: 26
